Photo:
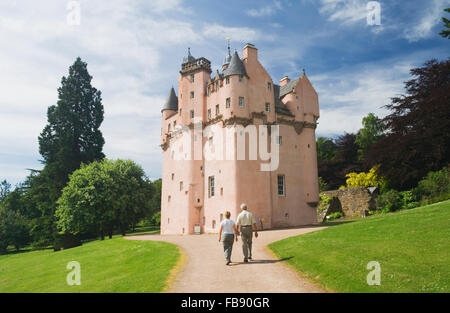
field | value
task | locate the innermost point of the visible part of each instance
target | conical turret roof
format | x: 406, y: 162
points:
x: 188, y: 58
x: 236, y: 66
x: 172, y: 101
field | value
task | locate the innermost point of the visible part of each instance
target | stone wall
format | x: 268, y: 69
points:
x: 352, y: 202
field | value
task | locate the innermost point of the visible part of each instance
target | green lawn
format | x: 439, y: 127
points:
x: 412, y: 248
x: 112, y: 265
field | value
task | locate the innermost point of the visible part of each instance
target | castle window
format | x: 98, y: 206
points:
x: 241, y: 102
x: 241, y: 78
x: 174, y: 124
x: 213, y: 224
x: 217, y: 109
x: 269, y: 86
x: 221, y: 191
x: 192, y: 95
x: 281, y: 186
x: 227, y: 80
x: 192, y: 78
x: 217, y: 85
x: 209, y: 90
x: 298, y: 108
x: 173, y: 176
x: 228, y: 102
x: 279, y: 140
x: 267, y: 107
x: 211, y: 186
x: 192, y: 113
x: 168, y: 199
x: 168, y: 128
x: 181, y: 186
x: 221, y: 217
x: 209, y: 113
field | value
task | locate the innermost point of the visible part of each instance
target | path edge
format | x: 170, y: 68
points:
x: 173, y: 273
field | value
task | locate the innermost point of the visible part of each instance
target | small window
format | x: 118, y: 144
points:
x: 209, y: 113
x: 298, y: 108
x: 267, y: 107
x: 269, y: 86
x: 221, y: 217
x: 217, y: 110
x: 241, y: 102
x: 192, y: 113
x: 228, y: 102
x: 279, y: 140
x: 181, y: 186
x: 192, y: 78
x: 211, y: 186
x: 227, y: 80
x: 174, y: 124
x: 173, y: 176
x: 192, y: 95
x: 281, y: 186
x: 213, y: 224
x: 168, y: 128
x: 241, y: 78
x: 221, y: 191
x: 209, y: 90
x: 168, y: 198
x: 204, y: 221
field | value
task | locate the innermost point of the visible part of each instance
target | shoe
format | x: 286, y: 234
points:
x: 228, y: 262
x: 245, y: 261
x: 249, y: 257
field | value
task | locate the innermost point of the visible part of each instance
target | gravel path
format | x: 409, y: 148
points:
x: 205, y: 269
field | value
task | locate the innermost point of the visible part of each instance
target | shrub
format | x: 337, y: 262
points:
x: 334, y: 216
x: 324, y: 202
x: 434, y: 185
x: 323, y: 186
x: 370, y: 179
x: 389, y: 201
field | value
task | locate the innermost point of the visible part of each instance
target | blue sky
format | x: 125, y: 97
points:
x: 134, y: 51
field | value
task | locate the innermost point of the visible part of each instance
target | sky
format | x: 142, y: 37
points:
x: 134, y: 50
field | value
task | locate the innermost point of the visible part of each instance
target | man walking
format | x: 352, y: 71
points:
x: 246, y: 224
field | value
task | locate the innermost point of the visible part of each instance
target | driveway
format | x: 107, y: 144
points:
x: 205, y: 269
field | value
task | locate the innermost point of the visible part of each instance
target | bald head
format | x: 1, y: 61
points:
x: 243, y: 206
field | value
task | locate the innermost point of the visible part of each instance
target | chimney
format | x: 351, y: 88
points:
x: 250, y: 52
x: 284, y: 81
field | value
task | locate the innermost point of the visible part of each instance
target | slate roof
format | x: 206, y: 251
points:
x: 236, y: 66
x: 284, y: 90
x: 188, y: 58
x: 172, y: 101
x: 280, y: 107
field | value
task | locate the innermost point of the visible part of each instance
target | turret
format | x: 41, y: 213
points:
x: 171, y: 105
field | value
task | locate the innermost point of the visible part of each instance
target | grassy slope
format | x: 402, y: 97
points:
x: 115, y: 265
x: 411, y: 246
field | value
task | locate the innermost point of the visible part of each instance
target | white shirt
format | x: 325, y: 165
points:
x: 227, y: 226
x: 246, y: 218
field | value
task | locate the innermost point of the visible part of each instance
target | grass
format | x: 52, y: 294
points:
x: 112, y: 265
x: 412, y: 248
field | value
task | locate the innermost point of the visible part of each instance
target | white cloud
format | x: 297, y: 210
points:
x: 266, y: 10
x: 423, y: 28
x: 241, y: 34
x: 345, y: 11
x: 347, y: 95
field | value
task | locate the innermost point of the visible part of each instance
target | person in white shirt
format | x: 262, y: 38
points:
x: 228, y: 230
x: 246, y: 225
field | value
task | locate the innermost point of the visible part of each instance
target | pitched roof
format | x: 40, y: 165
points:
x: 236, y: 66
x: 172, y: 101
x: 188, y: 58
x: 284, y: 90
x: 280, y: 107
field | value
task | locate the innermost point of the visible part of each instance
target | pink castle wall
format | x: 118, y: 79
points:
x: 240, y: 181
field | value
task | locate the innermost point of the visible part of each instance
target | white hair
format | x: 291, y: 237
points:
x: 243, y: 206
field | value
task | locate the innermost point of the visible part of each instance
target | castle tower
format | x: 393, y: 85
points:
x: 241, y: 99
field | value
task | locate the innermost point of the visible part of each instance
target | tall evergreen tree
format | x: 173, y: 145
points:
x: 70, y: 138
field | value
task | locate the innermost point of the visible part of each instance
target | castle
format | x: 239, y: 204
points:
x: 243, y: 100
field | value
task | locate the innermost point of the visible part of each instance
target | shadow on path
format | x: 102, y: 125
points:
x: 250, y: 262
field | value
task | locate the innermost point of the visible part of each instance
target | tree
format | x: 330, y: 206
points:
x: 5, y: 189
x: 13, y: 229
x: 326, y: 148
x: 362, y: 179
x: 417, y: 129
x: 70, y: 138
x: 446, y: 32
x: 102, y: 196
x: 370, y: 133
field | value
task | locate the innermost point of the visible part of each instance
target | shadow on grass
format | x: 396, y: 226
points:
x: 336, y: 223
x: 250, y: 262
